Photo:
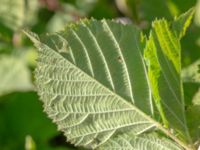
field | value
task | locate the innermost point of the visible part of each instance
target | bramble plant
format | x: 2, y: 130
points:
x: 107, y: 85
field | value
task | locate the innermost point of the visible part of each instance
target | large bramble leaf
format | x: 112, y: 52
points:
x: 90, y: 105
x: 94, y: 83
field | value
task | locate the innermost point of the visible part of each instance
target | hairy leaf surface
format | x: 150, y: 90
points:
x: 94, y: 83
x: 130, y: 141
x: 90, y: 79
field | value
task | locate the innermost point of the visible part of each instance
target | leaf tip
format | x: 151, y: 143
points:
x: 32, y: 36
x: 181, y: 23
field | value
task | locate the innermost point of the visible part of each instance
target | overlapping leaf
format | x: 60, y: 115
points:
x: 163, y: 58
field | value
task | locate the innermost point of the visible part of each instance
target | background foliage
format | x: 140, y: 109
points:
x: 23, y: 123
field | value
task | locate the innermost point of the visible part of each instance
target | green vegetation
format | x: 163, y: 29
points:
x: 127, y: 83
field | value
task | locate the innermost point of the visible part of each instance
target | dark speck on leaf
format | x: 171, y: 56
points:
x: 119, y: 58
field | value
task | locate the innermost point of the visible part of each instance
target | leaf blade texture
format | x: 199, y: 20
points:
x: 94, y: 82
x: 131, y: 141
x: 91, y: 105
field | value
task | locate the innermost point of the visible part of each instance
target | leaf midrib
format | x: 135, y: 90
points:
x: 157, y: 124
x: 97, y: 82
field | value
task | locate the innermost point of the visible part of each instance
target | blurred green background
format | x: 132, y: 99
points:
x: 23, y: 124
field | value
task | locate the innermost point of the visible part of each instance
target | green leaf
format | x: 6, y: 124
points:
x: 191, y: 76
x: 14, y: 75
x: 94, y: 84
x: 192, y: 73
x: 130, y: 141
x: 99, y: 101
x: 181, y: 23
x: 164, y: 65
x: 15, y: 14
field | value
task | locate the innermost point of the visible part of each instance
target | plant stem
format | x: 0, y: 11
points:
x: 173, y: 137
x: 166, y: 131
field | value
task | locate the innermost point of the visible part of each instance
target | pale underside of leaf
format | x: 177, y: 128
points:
x: 129, y: 141
x: 87, y: 84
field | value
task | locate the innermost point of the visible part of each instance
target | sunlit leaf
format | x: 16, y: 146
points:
x: 164, y: 67
x: 182, y: 22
